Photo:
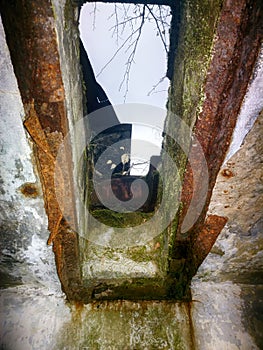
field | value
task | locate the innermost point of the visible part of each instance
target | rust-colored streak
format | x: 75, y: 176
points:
x: 35, y: 130
x: 32, y: 41
x: 46, y: 163
x: 68, y: 265
x: 31, y: 37
x: 206, y: 238
x: 238, y: 38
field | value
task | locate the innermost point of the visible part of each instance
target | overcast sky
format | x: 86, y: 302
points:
x: 150, y: 60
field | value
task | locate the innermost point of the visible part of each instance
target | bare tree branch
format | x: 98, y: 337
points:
x: 130, y: 60
x: 136, y: 2
x: 161, y: 32
x: 93, y: 12
x: 116, y: 52
x: 153, y: 89
x: 135, y: 17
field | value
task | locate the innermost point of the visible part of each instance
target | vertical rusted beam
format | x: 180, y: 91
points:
x: 32, y: 40
x: 238, y: 39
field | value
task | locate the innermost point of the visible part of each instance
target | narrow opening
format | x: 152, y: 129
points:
x: 127, y: 48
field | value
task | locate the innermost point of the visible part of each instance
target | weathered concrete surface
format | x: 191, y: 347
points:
x: 239, y: 183
x: 66, y: 25
x: 41, y: 88
x: 31, y: 317
x: 217, y: 41
x: 238, y: 252
x: 222, y: 319
x: 215, y: 44
x: 251, y: 107
x: 23, y: 222
x: 238, y: 194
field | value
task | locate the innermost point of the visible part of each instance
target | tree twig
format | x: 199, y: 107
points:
x: 142, y: 12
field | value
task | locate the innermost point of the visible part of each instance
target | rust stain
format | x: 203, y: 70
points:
x: 29, y: 26
x: 37, y: 64
x: 29, y: 189
x: 238, y: 39
x: 227, y: 173
x: 47, y: 164
x: 206, y: 238
x: 67, y: 258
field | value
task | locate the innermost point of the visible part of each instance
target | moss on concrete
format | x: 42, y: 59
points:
x: 128, y: 325
x: 115, y: 219
x: 197, y: 30
x: 194, y: 53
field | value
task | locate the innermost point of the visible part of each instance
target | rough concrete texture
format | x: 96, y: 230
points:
x: 41, y: 88
x: 239, y: 183
x: 235, y: 51
x: 237, y: 255
x: 37, y: 318
x: 238, y: 195
x: 31, y: 26
x: 216, y: 42
x: 222, y: 319
x: 34, y: 314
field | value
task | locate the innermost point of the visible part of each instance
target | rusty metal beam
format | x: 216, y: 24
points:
x: 239, y: 37
x: 31, y: 37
